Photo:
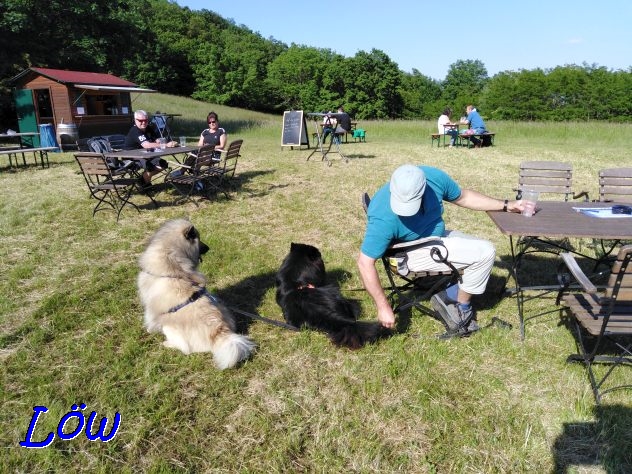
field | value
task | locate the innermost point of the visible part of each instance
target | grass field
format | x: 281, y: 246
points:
x: 71, y: 324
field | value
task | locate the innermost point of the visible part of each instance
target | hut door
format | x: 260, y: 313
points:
x: 27, y: 121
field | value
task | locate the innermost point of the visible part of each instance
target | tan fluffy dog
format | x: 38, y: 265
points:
x: 176, y: 302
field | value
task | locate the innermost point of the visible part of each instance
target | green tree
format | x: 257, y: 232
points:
x: 297, y: 77
x: 372, y: 84
x: 421, y: 96
x: 464, y: 82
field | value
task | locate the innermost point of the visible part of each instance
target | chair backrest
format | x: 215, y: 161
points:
x: 230, y: 158
x: 620, y: 280
x: 548, y: 177
x: 94, y: 168
x: 615, y: 184
x: 205, y: 157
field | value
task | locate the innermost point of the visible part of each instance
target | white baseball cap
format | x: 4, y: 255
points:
x: 408, y: 184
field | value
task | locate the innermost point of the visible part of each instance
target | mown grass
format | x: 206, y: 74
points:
x: 71, y: 324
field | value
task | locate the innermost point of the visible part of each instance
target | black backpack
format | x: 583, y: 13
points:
x: 102, y: 145
x: 99, y: 145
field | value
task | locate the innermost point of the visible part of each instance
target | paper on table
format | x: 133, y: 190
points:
x: 600, y: 212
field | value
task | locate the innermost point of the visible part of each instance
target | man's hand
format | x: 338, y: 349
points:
x: 371, y: 281
x: 386, y: 317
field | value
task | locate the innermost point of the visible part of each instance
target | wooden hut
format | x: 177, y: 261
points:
x: 84, y: 104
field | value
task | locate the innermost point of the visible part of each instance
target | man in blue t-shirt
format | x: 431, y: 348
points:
x: 411, y: 207
x: 476, y: 124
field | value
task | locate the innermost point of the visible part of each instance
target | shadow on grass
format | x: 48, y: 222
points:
x: 606, y: 442
x: 166, y: 195
x: 248, y: 294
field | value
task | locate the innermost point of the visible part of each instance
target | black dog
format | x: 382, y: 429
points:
x: 306, y: 299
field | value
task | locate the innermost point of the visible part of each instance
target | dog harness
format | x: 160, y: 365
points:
x: 194, y: 297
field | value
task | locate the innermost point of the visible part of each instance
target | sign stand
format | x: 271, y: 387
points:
x: 294, y: 131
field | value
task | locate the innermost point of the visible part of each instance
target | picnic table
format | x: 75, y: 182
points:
x: 21, y: 140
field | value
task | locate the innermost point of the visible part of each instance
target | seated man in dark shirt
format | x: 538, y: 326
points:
x: 344, y: 122
x: 144, y: 135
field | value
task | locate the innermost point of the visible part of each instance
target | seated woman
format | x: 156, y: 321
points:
x: 446, y: 119
x: 214, y: 135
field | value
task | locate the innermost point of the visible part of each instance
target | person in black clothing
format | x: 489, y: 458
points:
x: 144, y: 135
x: 214, y: 134
x: 344, y: 122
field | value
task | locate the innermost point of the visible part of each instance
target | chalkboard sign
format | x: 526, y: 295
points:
x: 294, y: 129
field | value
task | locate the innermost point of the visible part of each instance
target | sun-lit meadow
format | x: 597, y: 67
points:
x: 71, y: 323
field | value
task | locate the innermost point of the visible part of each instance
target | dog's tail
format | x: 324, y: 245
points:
x: 229, y: 349
x: 357, y: 334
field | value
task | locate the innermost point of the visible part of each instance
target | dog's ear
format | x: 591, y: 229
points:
x: 191, y: 233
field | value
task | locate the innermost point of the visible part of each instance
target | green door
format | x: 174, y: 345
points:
x: 27, y: 121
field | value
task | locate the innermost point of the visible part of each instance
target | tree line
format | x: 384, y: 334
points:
x: 199, y: 54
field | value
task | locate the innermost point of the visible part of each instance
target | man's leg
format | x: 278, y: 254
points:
x: 476, y: 257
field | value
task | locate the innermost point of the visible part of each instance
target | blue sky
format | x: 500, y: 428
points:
x: 430, y: 36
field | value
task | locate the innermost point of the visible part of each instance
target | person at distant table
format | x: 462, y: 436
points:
x: 344, y: 122
x: 443, y: 125
x: 475, y: 123
x: 329, y: 125
x: 214, y: 134
x: 144, y: 135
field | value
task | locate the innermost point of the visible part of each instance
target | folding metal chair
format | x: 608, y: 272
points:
x: 105, y: 187
x: 548, y: 178
x: 603, y: 321
x: 615, y: 185
x: 225, y: 174
x: 193, y: 175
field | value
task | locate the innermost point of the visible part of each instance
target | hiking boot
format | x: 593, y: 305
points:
x: 446, y: 309
x: 467, y: 320
x: 456, y: 319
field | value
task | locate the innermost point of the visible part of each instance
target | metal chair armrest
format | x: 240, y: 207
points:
x: 577, y: 272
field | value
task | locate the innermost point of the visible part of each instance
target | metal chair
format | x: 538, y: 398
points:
x: 548, y: 177
x: 193, y: 175
x: 221, y: 176
x: 615, y: 185
x: 603, y: 321
x: 105, y: 187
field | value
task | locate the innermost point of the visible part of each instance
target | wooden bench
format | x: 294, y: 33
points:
x: 437, y: 137
x: 486, y: 138
x: 43, y: 153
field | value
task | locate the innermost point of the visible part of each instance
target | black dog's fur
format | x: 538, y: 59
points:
x: 306, y: 299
